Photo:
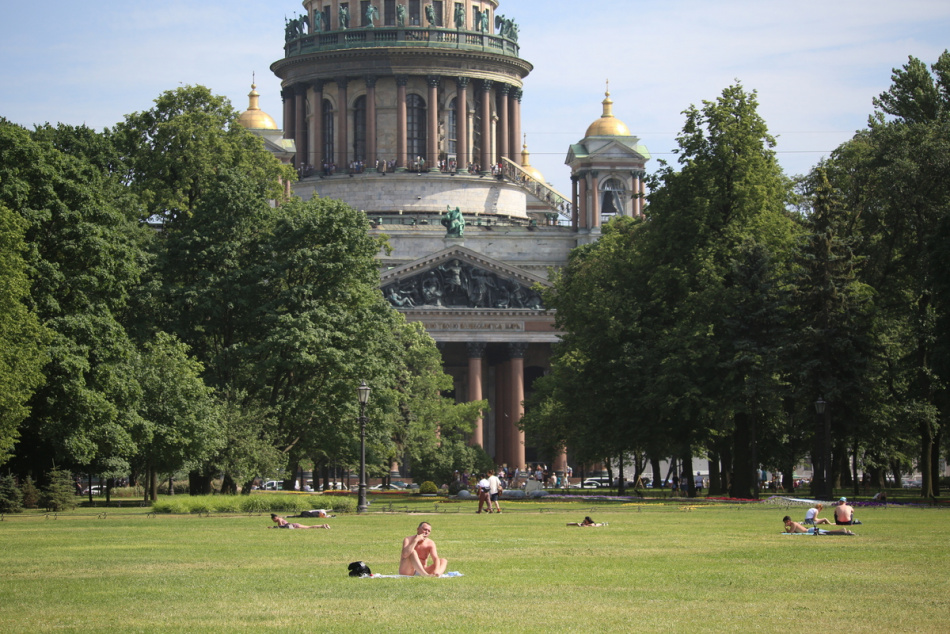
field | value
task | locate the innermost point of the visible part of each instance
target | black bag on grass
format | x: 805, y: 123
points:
x: 359, y: 569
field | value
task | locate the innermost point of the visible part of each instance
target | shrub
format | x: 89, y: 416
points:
x: 58, y: 495
x: 31, y: 495
x: 11, y: 499
x: 428, y: 487
x: 341, y: 504
x: 254, y: 504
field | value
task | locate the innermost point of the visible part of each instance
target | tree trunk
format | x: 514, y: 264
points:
x: 715, y: 479
x: 153, y: 484
x: 788, y: 479
x: 655, y: 467
x: 621, y: 485
x: 935, y: 463
x: 690, y: 483
x: 743, y: 477
x: 228, y: 485
x: 854, y: 467
x: 726, y: 466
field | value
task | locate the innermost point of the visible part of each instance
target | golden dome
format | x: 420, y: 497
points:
x: 526, y: 163
x: 254, y: 118
x: 608, y: 124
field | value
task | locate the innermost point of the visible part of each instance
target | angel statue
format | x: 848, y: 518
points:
x: 372, y: 13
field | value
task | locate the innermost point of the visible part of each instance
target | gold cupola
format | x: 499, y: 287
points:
x: 254, y: 118
x: 608, y: 124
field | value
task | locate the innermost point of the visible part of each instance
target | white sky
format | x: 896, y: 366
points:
x: 816, y: 65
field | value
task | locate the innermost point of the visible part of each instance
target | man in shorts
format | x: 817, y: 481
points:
x: 416, y: 551
x: 494, y: 492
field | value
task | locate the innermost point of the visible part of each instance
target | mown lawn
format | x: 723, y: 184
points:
x: 667, y: 567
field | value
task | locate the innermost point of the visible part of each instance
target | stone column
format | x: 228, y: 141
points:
x: 516, y: 395
x: 643, y: 195
x: 486, y: 127
x: 515, y: 139
x: 503, y: 131
x: 316, y: 126
x: 401, y: 123
x: 595, y: 200
x: 584, y: 209
x: 476, y: 352
x: 461, y: 119
x: 371, y: 157
x: 432, y: 124
x: 287, y: 94
x: 300, y: 127
x: 574, y: 214
x: 342, y: 133
x: 635, y: 190
x: 502, y: 417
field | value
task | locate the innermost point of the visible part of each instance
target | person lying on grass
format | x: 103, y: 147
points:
x: 282, y: 523
x: 795, y: 527
x: 587, y: 522
x: 416, y: 550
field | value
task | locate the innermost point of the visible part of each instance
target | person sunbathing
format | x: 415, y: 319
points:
x: 282, y: 523
x: 587, y: 522
x: 795, y: 527
x: 416, y: 551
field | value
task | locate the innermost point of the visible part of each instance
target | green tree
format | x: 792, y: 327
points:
x: 172, y: 152
x: 180, y: 421
x: 894, y: 176
x: 84, y: 256
x: 23, y: 339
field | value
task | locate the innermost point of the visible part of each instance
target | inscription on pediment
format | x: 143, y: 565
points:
x: 459, y: 284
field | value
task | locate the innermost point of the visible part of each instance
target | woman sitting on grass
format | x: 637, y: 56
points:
x: 282, y: 523
x: 587, y: 522
x: 795, y: 527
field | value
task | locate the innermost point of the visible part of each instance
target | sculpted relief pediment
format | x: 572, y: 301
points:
x: 454, y: 280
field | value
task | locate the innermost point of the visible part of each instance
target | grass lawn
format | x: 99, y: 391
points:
x: 657, y: 567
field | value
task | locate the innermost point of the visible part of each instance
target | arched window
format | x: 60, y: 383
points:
x: 327, y: 123
x: 415, y: 127
x: 452, y: 136
x: 612, y: 196
x: 359, y: 129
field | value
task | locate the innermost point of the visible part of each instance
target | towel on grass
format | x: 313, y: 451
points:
x: 442, y: 576
x: 822, y: 531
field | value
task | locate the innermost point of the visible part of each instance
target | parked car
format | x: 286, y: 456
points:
x: 274, y: 485
x: 596, y: 483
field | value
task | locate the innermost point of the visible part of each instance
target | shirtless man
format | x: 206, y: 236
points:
x: 844, y: 514
x: 795, y: 527
x: 416, y: 550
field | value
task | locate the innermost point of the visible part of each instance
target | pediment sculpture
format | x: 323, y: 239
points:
x: 459, y: 284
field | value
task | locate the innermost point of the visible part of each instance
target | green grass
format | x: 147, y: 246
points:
x: 656, y: 567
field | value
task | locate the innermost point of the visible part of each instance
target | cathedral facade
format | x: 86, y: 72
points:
x: 410, y: 110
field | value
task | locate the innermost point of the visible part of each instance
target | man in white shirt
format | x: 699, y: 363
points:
x: 483, y: 499
x: 494, y: 492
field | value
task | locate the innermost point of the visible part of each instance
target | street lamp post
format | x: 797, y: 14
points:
x: 822, y: 434
x: 363, y: 391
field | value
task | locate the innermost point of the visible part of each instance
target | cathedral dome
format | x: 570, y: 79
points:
x: 608, y: 124
x: 254, y: 118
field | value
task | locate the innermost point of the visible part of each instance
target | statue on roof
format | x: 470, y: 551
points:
x: 506, y: 28
x: 483, y: 21
x: 430, y: 15
x: 372, y: 13
x: 344, y: 18
x: 400, y: 15
x: 317, y: 22
x: 454, y: 222
x: 459, y: 15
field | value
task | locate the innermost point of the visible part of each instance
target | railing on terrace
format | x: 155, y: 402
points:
x: 402, y: 36
x: 551, y: 197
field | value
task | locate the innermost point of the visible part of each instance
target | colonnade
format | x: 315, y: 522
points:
x: 496, y: 100
x: 587, y: 196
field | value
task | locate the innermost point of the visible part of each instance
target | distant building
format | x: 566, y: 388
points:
x: 406, y: 111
